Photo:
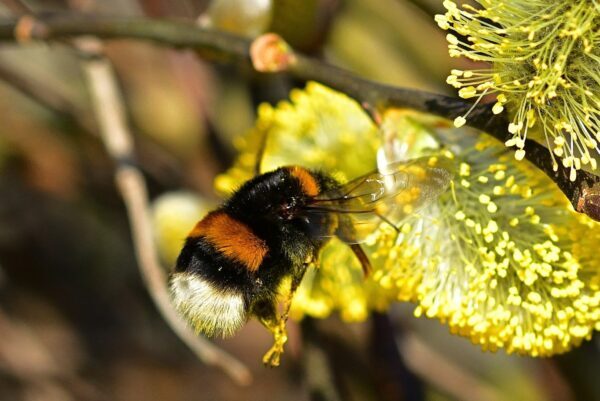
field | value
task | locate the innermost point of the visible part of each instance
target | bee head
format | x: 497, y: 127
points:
x: 210, y: 310
x: 274, y: 196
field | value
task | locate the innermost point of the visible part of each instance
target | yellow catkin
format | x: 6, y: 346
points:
x: 544, y: 71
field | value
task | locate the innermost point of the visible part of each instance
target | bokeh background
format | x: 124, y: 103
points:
x: 76, y: 322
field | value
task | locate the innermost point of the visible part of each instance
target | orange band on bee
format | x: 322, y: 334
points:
x: 232, y: 238
x: 307, y: 182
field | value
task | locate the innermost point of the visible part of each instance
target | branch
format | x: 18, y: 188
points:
x: 117, y: 139
x: 390, y: 372
x: 16, y: 6
x: 214, y: 45
x: 583, y: 193
x: 47, y: 97
x: 269, y: 53
x: 318, y: 371
x: 446, y: 375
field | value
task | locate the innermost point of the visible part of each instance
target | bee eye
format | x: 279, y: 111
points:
x: 287, y: 208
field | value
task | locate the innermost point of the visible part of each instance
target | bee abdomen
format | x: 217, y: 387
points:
x: 232, y: 238
x: 210, y: 310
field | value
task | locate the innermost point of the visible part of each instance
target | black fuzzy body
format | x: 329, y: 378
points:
x: 271, y: 206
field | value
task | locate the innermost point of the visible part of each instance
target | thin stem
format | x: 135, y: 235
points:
x: 318, y: 371
x: 16, y: 6
x: 443, y: 373
x: 117, y: 139
x: 46, y: 97
x: 390, y: 372
x: 179, y: 34
x: 380, y: 96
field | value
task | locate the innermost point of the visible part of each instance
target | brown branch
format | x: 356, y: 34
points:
x: 583, y: 193
x: 271, y: 54
x: 390, y: 372
x: 16, y: 6
x: 443, y: 373
x: 318, y: 372
x: 47, y: 97
x: 180, y: 34
x: 109, y: 111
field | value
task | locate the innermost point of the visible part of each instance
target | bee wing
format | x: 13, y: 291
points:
x: 363, y: 204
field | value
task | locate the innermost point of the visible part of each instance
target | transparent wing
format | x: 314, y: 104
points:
x: 359, y: 207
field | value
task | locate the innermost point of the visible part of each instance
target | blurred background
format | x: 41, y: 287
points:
x: 76, y: 322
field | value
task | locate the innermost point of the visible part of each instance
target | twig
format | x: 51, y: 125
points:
x: 270, y: 53
x: 16, y: 6
x: 39, y: 92
x: 583, y: 193
x: 580, y: 368
x: 443, y: 373
x: 180, y: 34
x: 46, y: 97
x: 393, y: 378
x: 317, y: 368
x: 130, y: 182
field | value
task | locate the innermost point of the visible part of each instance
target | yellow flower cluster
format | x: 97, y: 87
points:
x: 507, y: 278
x: 174, y: 214
x: 500, y: 257
x: 545, y: 58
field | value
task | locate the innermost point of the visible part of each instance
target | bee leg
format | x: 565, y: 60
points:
x: 296, y: 280
x: 362, y: 258
x: 312, y: 260
x: 276, y: 325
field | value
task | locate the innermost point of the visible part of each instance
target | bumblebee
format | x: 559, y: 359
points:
x: 272, y: 228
